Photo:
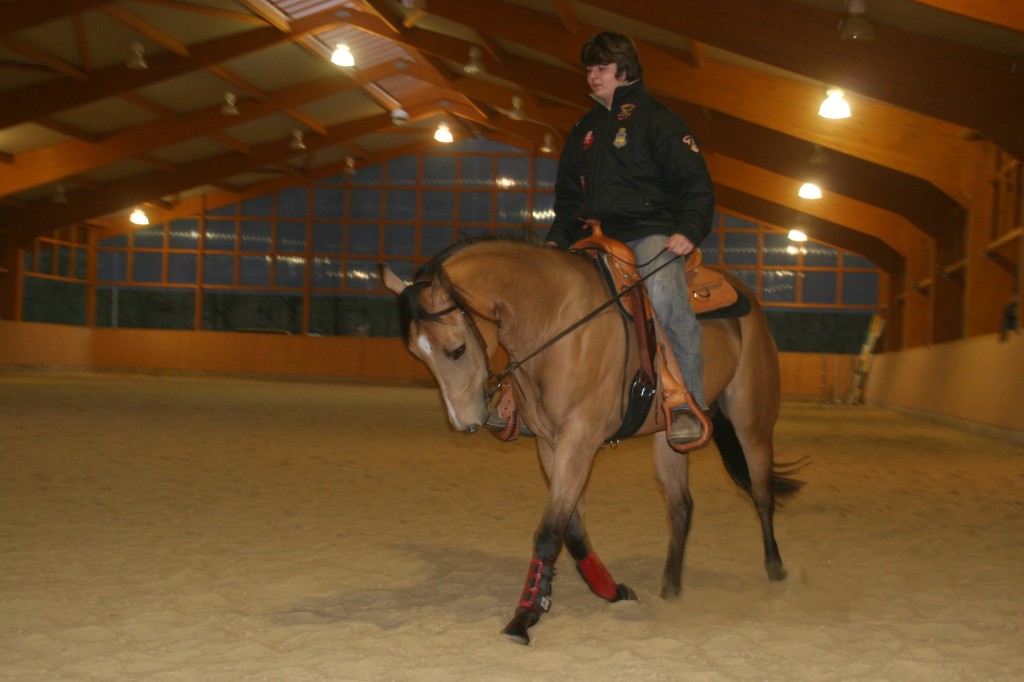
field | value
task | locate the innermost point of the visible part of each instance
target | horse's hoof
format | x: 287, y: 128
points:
x: 671, y: 592
x: 624, y: 593
x: 516, y: 630
x: 775, y: 571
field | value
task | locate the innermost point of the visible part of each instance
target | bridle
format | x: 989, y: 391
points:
x: 470, y: 315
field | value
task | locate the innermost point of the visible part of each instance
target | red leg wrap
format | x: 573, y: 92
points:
x: 538, y: 586
x: 597, y: 577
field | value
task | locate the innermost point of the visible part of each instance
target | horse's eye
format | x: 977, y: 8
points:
x: 458, y: 352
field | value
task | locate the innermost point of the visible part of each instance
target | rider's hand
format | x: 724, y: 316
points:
x: 679, y: 245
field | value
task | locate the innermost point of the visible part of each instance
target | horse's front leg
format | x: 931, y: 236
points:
x: 589, y: 565
x: 567, y: 466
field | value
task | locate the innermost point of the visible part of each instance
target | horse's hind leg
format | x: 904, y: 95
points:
x: 764, y: 502
x: 750, y: 448
x: 673, y: 474
x: 589, y: 565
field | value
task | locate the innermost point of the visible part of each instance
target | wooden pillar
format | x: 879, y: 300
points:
x: 991, y: 272
x: 10, y: 278
x: 917, y: 296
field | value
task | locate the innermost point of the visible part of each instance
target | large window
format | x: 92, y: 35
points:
x: 303, y: 259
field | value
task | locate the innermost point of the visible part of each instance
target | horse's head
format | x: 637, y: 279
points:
x: 440, y: 331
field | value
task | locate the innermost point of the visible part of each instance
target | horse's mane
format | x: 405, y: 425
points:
x: 432, y: 272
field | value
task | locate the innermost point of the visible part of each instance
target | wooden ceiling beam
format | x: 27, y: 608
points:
x: 841, y: 236
x: 49, y: 164
x: 496, y: 95
x: 145, y: 28
x: 44, y: 58
x: 217, y: 12
x: 554, y: 82
x: 950, y: 81
x: 1008, y: 14
x: 894, y: 230
x: 42, y: 215
x: 241, y: 83
x: 911, y: 143
x: 68, y: 130
x: 271, y: 14
x: 18, y: 16
x: 149, y: 105
x: 387, y: 13
x: 82, y: 38
x: 40, y: 100
x: 918, y: 201
x: 567, y: 15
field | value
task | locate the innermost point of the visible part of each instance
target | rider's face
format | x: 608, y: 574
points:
x: 603, y: 81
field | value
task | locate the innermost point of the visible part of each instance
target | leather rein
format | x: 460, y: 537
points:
x: 470, y: 316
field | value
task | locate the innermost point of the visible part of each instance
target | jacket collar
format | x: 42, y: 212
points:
x: 621, y: 93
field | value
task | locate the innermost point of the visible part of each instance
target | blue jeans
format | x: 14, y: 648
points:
x: 670, y: 300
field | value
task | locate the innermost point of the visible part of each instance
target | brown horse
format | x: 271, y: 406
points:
x: 572, y: 395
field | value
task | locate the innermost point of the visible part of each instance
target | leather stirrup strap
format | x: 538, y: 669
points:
x: 675, y: 394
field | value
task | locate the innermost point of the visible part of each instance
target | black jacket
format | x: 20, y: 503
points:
x: 637, y: 168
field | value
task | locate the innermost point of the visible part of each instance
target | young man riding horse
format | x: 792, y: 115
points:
x: 634, y: 165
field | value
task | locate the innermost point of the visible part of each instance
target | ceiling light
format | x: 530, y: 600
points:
x: 797, y: 236
x: 60, y: 194
x: 809, y: 190
x: 474, y: 65
x: 136, y: 59
x: 139, y: 217
x: 400, y: 118
x: 229, y: 108
x: 297, y: 142
x: 549, y: 144
x: 342, y: 56
x: 414, y: 4
x: 517, y: 113
x: 835, y: 105
x: 350, y: 165
x: 854, y: 27
x: 443, y: 134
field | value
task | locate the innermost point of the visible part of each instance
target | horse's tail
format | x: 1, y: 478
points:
x: 729, y: 447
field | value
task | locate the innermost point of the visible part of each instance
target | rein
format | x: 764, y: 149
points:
x: 516, y: 364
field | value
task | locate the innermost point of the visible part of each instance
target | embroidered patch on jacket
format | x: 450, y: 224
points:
x: 691, y: 143
x: 588, y: 140
x: 620, y: 138
x: 626, y: 111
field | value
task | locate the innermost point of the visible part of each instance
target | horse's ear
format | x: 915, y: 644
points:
x: 390, y: 280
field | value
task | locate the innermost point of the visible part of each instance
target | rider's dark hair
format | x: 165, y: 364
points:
x: 608, y: 48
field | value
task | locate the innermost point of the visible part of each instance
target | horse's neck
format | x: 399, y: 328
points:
x: 536, y: 293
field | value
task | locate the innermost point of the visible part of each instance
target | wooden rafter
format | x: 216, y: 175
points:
x: 950, y: 81
x: 1008, y: 13
x: 36, y: 101
x: 17, y: 16
x: 145, y: 28
x: 42, y: 216
x: 49, y: 164
x: 217, y: 12
x: 44, y: 58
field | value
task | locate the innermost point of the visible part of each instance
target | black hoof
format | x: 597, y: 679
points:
x: 775, y: 571
x: 516, y: 630
x: 517, y: 633
x: 623, y: 593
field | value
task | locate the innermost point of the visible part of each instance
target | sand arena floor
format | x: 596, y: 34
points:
x: 207, y: 528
